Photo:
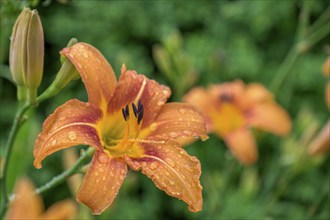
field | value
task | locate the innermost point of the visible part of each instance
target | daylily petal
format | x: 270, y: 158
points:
x: 62, y: 210
x: 95, y: 71
x: 26, y: 205
x: 242, y: 145
x: 71, y: 124
x: 202, y: 100
x: 102, y: 181
x: 132, y: 86
x: 270, y: 117
x: 321, y: 143
x: 326, y: 67
x: 178, y: 119
x: 327, y: 95
x: 255, y: 93
x: 231, y: 90
x: 172, y: 170
x: 128, y: 87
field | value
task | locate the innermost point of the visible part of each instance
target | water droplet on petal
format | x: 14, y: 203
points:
x: 153, y: 165
x: 182, y: 110
x: 187, y: 132
x: 97, y: 180
x: 173, y: 134
x: 144, y: 164
x: 171, y: 182
x: 72, y: 135
x: 165, y: 92
x: 123, y: 172
x: 54, y: 142
x: 96, y: 173
x: 103, y: 158
x: 101, y: 170
x: 122, y: 177
x: 85, y: 55
x: 153, y: 127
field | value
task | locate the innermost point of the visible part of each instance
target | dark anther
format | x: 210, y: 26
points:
x: 125, y: 112
x: 140, y: 115
x: 134, y: 109
x: 225, y: 97
x: 140, y: 106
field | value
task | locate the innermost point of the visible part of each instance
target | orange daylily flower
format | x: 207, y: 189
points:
x: 230, y: 109
x: 321, y: 143
x: 128, y: 123
x: 28, y: 205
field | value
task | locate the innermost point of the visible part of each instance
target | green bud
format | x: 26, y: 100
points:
x: 27, y: 54
x: 67, y: 73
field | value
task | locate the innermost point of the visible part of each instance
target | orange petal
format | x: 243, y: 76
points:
x: 172, y: 170
x: 270, y: 117
x: 243, y: 146
x: 26, y: 205
x: 326, y: 67
x: 177, y: 120
x: 95, y: 71
x: 71, y: 124
x: 132, y: 86
x: 327, y: 95
x: 202, y: 100
x: 101, y: 183
x: 255, y: 93
x: 321, y: 143
x: 65, y: 209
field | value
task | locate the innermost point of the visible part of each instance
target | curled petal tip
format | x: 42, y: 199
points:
x: 37, y: 164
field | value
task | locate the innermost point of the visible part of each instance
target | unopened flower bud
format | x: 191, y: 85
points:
x: 27, y: 54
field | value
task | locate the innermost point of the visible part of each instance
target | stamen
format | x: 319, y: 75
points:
x: 140, y: 106
x: 135, y: 110
x: 141, y: 90
x: 140, y: 115
x: 225, y: 97
x: 125, y: 112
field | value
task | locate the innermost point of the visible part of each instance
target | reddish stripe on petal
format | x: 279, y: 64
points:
x: 101, y: 183
x: 71, y: 124
x: 172, y: 170
x: 95, y: 71
x: 128, y: 86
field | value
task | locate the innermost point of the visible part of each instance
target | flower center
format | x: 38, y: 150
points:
x: 227, y: 118
x: 121, y: 129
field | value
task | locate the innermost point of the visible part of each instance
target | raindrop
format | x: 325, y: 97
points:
x: 153, y: 165
x: 96, y: 173
x: 165, y: 92
x: 101, y: 170
x: 173, y: 134
x: 171, y: 182
x: 85, y: 55
x: 72, y: 135
x: 54, y: 142
x: 182, y: 110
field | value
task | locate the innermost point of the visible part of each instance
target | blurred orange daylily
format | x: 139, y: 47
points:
x: 128, y: 123
x: 28, y: 205
x: 230, y: 109
x: 321, y: 143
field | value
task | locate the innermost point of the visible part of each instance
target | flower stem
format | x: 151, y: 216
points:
x: 67, y: 173
x: 302, y: 44
x: 5, y: 154
x: 7, y: 151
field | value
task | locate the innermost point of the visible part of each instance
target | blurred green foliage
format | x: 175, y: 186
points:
x: 223, y: 40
